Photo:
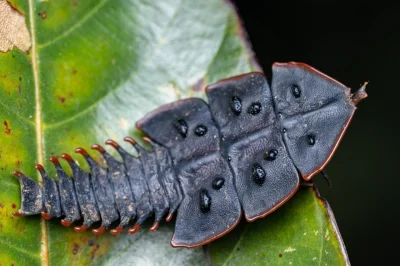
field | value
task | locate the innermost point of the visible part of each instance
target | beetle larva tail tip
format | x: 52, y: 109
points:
x: 134, y: 230
x: 360, y: 94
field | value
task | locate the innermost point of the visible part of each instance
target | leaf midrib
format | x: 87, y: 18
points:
x: 44, y: 252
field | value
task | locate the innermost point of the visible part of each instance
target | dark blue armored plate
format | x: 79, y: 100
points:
x: 168, y: 178
x: 187, y: 129
x: 52, y: 201
x: 85, y: 194
x: 262, y: 184
x: 241, y: 105
x: 103, y: 192
x: 122, y: 189
x: 208, y: 210
x: 158, y: 197
x: 32, y: 200
x: 69, y: 200
x: 140, y: 190
x: 265, y: 177
x: 315, y: 111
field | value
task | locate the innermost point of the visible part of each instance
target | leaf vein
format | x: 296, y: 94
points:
x: 75, y: 26
x: 17, y: 115
x: 322, y: 236
x: 19, y: 249
x: 237, y: 244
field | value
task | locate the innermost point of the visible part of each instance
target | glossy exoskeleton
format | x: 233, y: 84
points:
x: 247, y: 149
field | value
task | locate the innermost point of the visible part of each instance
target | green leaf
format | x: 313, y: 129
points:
x: 302, y: 232
x: 95, y: 67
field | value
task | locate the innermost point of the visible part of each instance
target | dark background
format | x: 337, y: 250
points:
x: 352, y: 43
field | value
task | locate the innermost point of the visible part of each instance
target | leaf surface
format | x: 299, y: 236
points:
x: 302, y: 232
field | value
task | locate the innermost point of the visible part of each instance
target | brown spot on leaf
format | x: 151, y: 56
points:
x: 75, y: 249
x: 75, y: 3
x: 200, y: 85
x: 18, y: 163
x: 7, y: 129
x: 280, y: 255
x: 13, y: 30
x: 61, y: 99
x: 1, y: 205
x: 43, y: 15
x: 74, y: 71
x: 13, y: 206
x: 94, y: 250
